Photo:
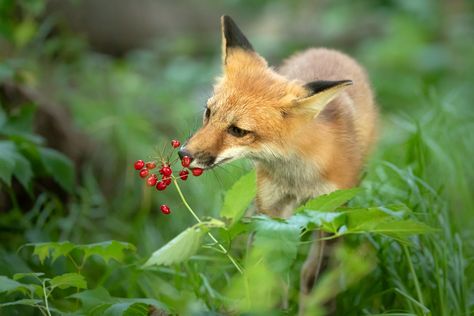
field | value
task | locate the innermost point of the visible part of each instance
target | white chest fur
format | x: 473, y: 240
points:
x: 288, y: 183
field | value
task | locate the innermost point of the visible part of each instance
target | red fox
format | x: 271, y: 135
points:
x: 308, y: 125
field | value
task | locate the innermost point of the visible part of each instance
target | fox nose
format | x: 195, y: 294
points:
x: 183, y: 152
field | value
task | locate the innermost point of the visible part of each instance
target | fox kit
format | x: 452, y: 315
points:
x: 307, y: 125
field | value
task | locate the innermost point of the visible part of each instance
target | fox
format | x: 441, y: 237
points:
x: 307, y: 125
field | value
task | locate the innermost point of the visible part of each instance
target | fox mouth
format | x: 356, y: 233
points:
x: 198, y: 164
x: 221, y: 162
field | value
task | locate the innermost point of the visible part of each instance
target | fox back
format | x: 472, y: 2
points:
x: 308, y: 125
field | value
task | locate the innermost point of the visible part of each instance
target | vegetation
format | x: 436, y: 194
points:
x: 82, y: 234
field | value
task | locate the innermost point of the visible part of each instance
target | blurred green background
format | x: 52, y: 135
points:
x: 107, y: 82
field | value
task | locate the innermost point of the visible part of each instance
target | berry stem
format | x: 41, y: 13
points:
x: 226, y: 252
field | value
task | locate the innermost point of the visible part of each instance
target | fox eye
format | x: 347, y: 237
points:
x: 236, y: 131
x: 208, y: 113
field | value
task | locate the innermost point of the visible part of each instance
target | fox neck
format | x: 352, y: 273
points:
x: 284, y: 183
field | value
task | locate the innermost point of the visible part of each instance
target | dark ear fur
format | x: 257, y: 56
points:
x: 321, y: 85
x: 232, y: 36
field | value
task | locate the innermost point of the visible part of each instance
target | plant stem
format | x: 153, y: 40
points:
x: 46, y: 298
x: 226, y: 252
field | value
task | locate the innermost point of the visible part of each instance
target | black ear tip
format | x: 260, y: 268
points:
x: 227, y: 22
x: 321, y: 85
x: 233, y: 35
x: 226, y: 18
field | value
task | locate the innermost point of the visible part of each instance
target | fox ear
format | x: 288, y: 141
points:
x: 320, y: 94
x: 232, y: 37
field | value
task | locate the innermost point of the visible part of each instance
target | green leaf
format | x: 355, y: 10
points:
x: 25, y: 301
x: 56, y: 249
x: 68, y: 280
x: 94, y: 297
x: 60, y: 249
x: 23, y: 171
x: 12, y: 162
x: 19, y: 276
x: 59, y: 167
x: 41, y: 250
x: 99, y: 302
x: 179, y: 249
x: 24, y: 32
x: 7, y: 284
x: 278, y: 240
x: 330, y: 202
x: 238, y: 197
x: 399, y: 230
x: 132, y: 305
x: 8, y: 158
x: 257, y: 289
x: 107, y: 250
x: 327, y: 221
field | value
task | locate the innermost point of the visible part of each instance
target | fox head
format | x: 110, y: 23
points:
x: 254, y: 110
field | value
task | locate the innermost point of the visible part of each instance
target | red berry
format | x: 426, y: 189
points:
x: 151, y: 165
x: 183, y: 174
x: 160, y: 186
x: 186, y: 161
x: 166, y: 180
x: 197, y: 171
x: 165, y: 209
x: 175, y: 143
x: 152, y: 180
x: 144, y: 172
x: 139, y: 164
x: 166, y: 171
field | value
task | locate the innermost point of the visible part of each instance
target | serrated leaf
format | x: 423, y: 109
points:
x: 238, y: 197
x: 278, y: 239
x: 68, y: 280
x: 55, y: 249
x: 327, y: 221
x: 59, y: 167
x: 42, y: 251
x: 179, y: 249
x: 61, y: 249
x: 107, y: 250
x: 330, y: 202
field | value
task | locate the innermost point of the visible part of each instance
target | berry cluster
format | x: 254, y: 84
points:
x: 166, y: 172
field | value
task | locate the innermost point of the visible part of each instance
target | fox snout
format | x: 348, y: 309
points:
x: 200, y: 159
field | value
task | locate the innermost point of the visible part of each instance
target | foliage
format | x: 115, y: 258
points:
x: 403, y: 239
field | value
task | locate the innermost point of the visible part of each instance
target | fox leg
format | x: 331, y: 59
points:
x: 311, y: 268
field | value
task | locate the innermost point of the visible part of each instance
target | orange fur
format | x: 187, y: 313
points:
x: 303, y: 145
